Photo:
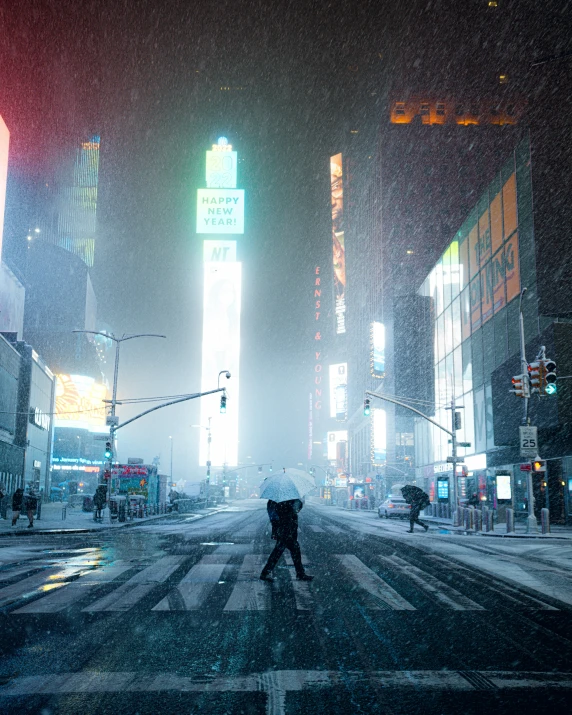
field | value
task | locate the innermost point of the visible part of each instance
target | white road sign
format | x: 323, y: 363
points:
x: 528, y: 441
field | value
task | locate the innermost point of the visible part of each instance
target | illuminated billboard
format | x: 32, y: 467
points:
x: 338, y: 242
x: 79, y: 403
x: 220, y: 211
x: 378, y: 436
x: 377, y: 350
x: 221, y: 352
x: 4, y: 146
x: 214, y: 251
x: 334, y: 438
x: 338, y: 379
x: 221, y: 169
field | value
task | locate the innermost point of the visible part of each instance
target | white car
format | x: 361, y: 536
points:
x: 394, y: 506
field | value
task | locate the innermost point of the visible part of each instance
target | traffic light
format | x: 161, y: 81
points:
x: 458, y: 422
x: 535, y: 370
x: 366, y: 407
x: 539, y: 465
x: 108, y: 451
x: 549, y: 375
x: 520, y: 386
x: 312, y: 471
x: 270, y: 468
x: 223, y: 404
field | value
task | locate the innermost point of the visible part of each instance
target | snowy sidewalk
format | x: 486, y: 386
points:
x: 57, y: 518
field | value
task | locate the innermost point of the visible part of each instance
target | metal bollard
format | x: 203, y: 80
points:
x: 545, y: 520
x: 478, y: 520
x: 466, y: 518
x: 64, y: 513
x: 509, y: 521
x: 485, y: 526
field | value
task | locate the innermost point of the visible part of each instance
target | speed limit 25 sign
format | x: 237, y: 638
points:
x: 528, y: 441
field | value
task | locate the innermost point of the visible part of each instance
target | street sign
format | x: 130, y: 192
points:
x: 526, y: 467
x: 101, y: 437
x: 112, y: 420
x: 528, y: 441
x: 463, y: 444
x: 459, y: 460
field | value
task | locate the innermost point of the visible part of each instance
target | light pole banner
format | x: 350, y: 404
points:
x: 220, y: 211
x: 221, y: 351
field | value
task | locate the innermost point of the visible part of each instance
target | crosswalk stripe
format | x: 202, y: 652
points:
x: 193, y: 590
x: 65, y: 597
x: 383, y: 594
x: 334, y: 529
x: 302, y: 593
x: 249, y: 593
x: 132, y: 591
x: 316, y: 529
x: 445, y: 594
x: 44, y: 581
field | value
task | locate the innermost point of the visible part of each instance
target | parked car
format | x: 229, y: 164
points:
x: 394, y: 506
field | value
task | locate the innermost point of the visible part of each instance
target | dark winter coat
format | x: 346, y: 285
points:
x: 287, y: 526
x: 30, y: 502
x: 17, y: 499
x: 99, y: 498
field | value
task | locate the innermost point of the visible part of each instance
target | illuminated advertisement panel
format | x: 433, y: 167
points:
x: 221, y: 351
x: 4, y: 145
x: 79, y: 403
x: 338, y: 241
x: 378, y: 436
x: 377, y: 352
x: 221, y: 169
x: 220, y: 211
x: 214, y: 251
x: 504, y: 490
x: 338, y: 378
x: 334, y: 438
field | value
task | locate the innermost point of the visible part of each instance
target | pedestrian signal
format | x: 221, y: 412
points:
x: 539, y: 465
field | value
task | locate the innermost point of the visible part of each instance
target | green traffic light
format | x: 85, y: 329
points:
x: 550, y: 389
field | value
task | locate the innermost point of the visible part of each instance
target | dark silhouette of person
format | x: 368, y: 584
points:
x: 17, y: 502
x: 286, y: 533
x: 416, y: 505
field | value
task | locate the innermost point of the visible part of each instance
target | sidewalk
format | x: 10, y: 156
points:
x: 556, y: 530
x: 78, y: 521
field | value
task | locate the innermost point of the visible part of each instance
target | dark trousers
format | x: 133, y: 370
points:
x: 290, y: 543
x: 414, y: 519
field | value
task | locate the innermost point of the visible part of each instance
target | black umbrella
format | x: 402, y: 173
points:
x: 413, y: 494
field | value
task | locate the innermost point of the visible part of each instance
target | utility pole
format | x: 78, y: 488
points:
x: 455, y: 425
x: 112, y: 420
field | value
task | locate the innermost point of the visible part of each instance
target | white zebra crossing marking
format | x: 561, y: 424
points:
x: 445, y: 594
x: 195, y: 587
x: 132, y: 591
x: 316, y: 529
x: 44, y: 581
x: 334, y: 529
x: 72, y: 592
x: 302, y: 594
x: 250, y: 593
x: 383, y: 594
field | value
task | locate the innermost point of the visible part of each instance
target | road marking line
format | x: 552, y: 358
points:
x: 280, y: 682
x: 194, y: 588
x: 316, y: 529
x: 446, y: 595
x: 334, y: 529
x: 132, y: 591
x: 302, y: 594
x: 382, y: 593
x: 250, y: 593
x: 72, y: 592
x: 33, y: 585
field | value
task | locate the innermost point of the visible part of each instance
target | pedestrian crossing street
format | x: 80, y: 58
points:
x: 227, y: 579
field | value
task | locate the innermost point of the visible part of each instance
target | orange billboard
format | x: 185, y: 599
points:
x: 80, y: 403
x: 512, y: 268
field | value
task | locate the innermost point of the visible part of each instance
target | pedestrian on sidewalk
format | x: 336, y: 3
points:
x: 99, y: 499
x: 31, y: 503
x: 286, y: 534
x: 17, y: 501
x: 419, y: 500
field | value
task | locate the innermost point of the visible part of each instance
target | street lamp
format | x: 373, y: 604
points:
x: 112, y: 419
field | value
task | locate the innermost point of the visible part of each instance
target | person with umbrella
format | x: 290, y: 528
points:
x: 418, y: 500
x: 286, y: 492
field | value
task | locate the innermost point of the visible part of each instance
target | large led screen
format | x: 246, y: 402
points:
x: 4, y: 145
x: 338, y: 241
x: 220, y: 211
x: 221, y: 352
x: 378, y: 437
x: 334, y: 438
x: 338, y: 378
x: 377, y: 359
x: 80, y: 403
x: 221, y: 169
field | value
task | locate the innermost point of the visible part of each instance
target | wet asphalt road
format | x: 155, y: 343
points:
x: 170, y: 617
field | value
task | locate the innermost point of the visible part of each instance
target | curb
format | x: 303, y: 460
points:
x: 97, y: 530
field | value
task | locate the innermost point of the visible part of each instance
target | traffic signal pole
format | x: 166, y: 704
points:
x: 531, y: 523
